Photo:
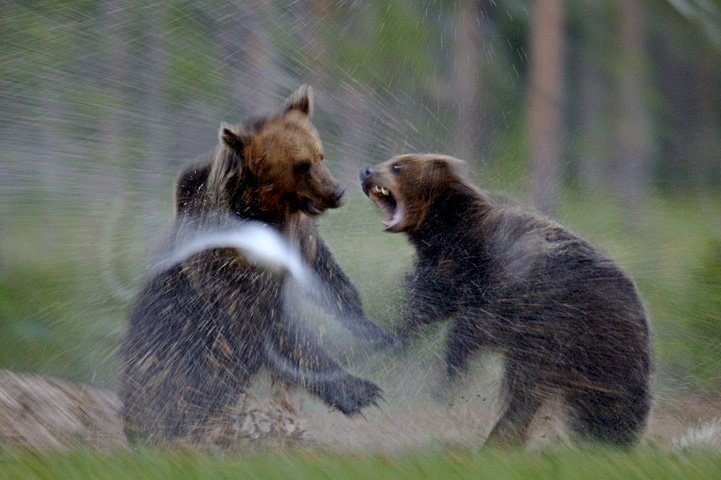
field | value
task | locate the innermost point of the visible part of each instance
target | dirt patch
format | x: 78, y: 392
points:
x: 42, y: 413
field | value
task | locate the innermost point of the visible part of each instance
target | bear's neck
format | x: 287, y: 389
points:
x: 449, y: 220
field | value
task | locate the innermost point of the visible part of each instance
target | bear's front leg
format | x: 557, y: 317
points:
x: 471, y: 331
x: 465, y: 337
x: 428, y: 302
x: 295, y: 354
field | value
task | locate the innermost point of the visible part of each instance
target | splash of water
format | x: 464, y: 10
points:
x: 259, y: 243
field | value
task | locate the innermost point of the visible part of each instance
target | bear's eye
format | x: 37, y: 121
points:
x: 396, y: 168
x: 301, y: 168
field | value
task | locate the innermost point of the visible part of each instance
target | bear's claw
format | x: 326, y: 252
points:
x: 351, y: 395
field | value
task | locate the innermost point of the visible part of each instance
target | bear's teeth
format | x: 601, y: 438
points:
x: 380, y: 190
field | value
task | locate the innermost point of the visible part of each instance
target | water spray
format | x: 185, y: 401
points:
x: 257, y: 242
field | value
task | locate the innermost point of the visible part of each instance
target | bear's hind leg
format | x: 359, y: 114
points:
x: 523, y: 400
x: 617, y: 419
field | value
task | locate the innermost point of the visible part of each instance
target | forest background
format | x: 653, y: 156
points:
x: 604, y: 115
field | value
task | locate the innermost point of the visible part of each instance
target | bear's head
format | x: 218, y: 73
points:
x: 278, y: 161
x: 405, y: 187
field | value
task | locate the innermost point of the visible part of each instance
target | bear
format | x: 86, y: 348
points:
x: 202, y: 329
x: 568, y: 322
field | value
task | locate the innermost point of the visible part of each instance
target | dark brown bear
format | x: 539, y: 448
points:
x: 569, y: 323
x: 203, y: 328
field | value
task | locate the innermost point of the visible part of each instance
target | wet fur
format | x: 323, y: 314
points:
x: 568, y: 321
x: 203, y: 329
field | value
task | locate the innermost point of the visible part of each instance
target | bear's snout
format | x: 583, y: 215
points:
x: 329, y: 196
x: 364, y: 174
x: 339, y: 192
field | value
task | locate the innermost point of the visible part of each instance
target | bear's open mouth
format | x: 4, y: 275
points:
x: 391, y: 208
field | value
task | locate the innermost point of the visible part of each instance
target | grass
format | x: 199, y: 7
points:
x: 559, y: 464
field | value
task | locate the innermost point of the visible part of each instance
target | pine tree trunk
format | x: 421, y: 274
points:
x: 464, y: 81
x: 544, y: 102
x: 633, y: 131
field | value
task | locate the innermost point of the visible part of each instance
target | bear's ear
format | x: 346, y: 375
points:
x: 454, y: 166
x: 233, y: 140
x: 301, y: 101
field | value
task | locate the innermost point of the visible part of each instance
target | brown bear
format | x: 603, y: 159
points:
x: 567, y: 320
x: 201, y: 329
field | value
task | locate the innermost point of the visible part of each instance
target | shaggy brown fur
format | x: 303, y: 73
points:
x: 567, y: 320
x: 202, y: 329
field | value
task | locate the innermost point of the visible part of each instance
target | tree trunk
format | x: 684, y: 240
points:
x: 594, y: 90
x: 114, y: 22
x: 465, y: 79
x: 544, y: 102
x: 633, y: 125
x: 249, y: 57
x: 153, y: 73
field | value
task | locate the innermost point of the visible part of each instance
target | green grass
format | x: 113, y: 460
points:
x: 497, y: 465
